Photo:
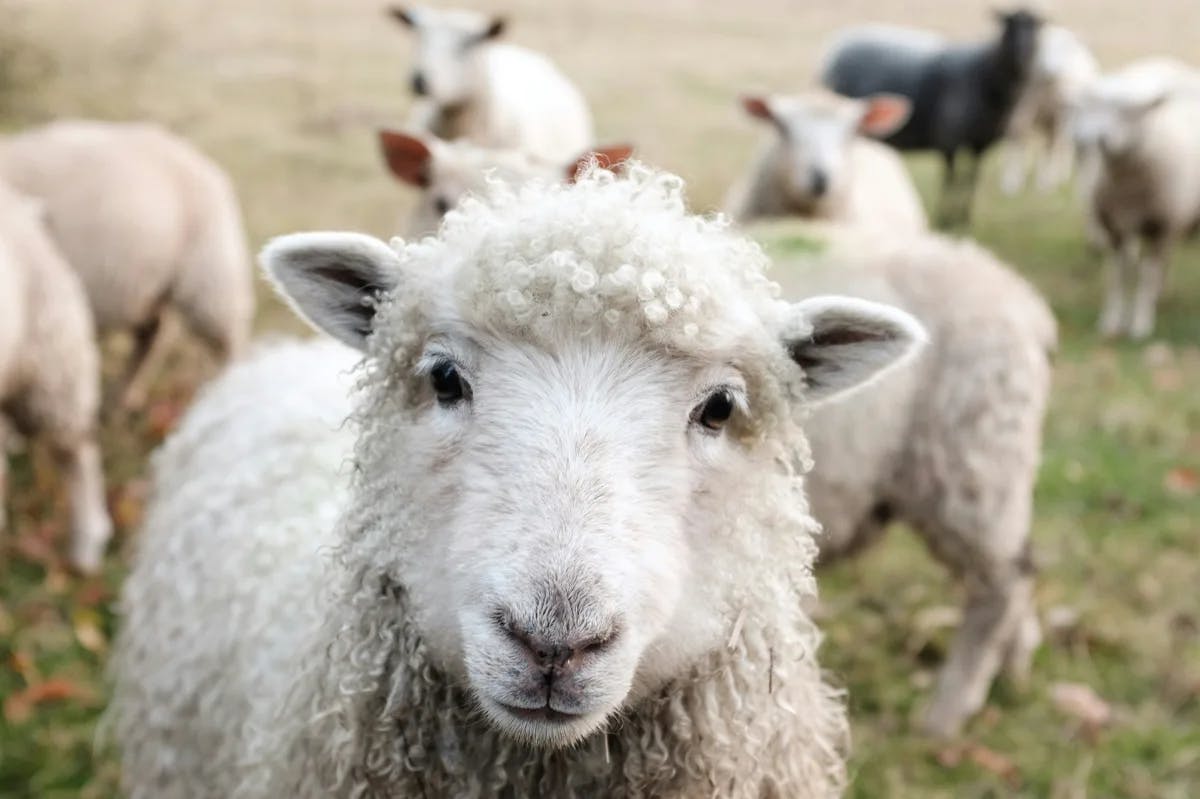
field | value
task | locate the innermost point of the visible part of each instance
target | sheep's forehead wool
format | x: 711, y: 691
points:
x: 608, y: 256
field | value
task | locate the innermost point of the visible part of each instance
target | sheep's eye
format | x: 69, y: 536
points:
x: 715, y: 411
x: 441, y: 205
x: 448, y: 385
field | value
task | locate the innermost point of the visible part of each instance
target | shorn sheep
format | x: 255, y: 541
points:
x: 50, y: 369
x: 574, y: 554
x: 962, y: 95
x: 149, y: 224
x: 446, y: 172
x: 819, y: 166
x: 470, y: 86
x: 1039, y: 132
x: 953, y: 441
x: 1141, y: 123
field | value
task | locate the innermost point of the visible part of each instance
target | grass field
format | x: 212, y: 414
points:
x: 287, y: 94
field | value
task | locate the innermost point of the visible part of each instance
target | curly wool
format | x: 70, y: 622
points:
x: 369, y: 711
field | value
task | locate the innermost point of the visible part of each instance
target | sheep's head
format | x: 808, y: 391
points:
x: 448, y: 42
x: 1108, y: 115
x: 1019, y: 30
x: 580, y: 454
x: 447, y: 171
x: 815, y: 133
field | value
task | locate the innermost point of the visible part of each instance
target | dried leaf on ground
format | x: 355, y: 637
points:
x: 1081, y: 702
x: 19, y: 707
x: 1182, y: 481
x: 985, y: 758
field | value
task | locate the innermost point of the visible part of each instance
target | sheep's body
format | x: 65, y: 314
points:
x: 863, y: 183
x: 953, y: 443
x: 1141, y: 125
x: 1039, y: 131
x: 147, y: 223
x: 49, y: 368
x: 962, y: 95
x: 501, y: 96
x: 384, y: 685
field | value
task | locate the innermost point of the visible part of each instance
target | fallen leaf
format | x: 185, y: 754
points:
x: 19, y: 707
x: 1081, y: 702
x: 86, y: 623
x: 1182, y: 481
x: 985, y: 758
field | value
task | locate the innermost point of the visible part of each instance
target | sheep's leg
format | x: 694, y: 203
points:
x: 949, y: 185
x: 1018, y: 660
x: 1060, y: 156
x: 1121, y: 268
x: 1017, y: 155
x: 148, y: 349
x: 1151, y: 276
x: 91, y: 527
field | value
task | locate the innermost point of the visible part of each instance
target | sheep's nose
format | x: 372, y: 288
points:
x: 820, y: 182
x: 557, y: 656
x: 419, y: 87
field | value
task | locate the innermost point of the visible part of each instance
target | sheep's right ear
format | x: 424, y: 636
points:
x: 884, y: 114
x: 403, y: 15
x: 333, y: 281
x: 759, y: 108
x: 843, y: 343
x: 407, y: 157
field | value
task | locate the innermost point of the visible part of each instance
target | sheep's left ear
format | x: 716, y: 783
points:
x: 883, y: 115
x: 611, y: 157
x: 494, y: 30
x: 333, y: 281
x: 843, y: 343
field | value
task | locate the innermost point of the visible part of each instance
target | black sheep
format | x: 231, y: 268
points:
x: 962, y: 95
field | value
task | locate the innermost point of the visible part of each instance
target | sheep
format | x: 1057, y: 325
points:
x: 445, y: 172
x: 494, y: 94
x: 948, y: 444
x: 50, y: 369
x: 571, y: 557
x: 148, y: 223
x: 1140, y: 123
x: 817, y: 165
x: 1062, y: 68
x: 962, y: 96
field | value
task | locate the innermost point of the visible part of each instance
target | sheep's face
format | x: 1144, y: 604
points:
x: 1019, y: 39
x: 1111, y: 121
x: 448, y: 42
x: 564, y: 477
x: 816, y: 132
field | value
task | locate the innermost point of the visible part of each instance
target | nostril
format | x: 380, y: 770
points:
x: 561, y: 655
x: 419, y: 87
x: 820, y: 182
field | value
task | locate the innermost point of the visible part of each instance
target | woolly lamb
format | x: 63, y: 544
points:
x: 573, y: 557
x: 949, y: 443
x: 1062, y: 69
x: 1142, y: 124
x: 49, y: 369
x: 148, y: 223
x: 469, y: 86
x: 962, y: 95
x: 445, y: 172
x: 819, y: 167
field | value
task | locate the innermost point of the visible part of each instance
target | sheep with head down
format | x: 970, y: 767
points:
x: 573, y: 556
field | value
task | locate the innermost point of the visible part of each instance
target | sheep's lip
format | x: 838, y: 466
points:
x: 545, y: 713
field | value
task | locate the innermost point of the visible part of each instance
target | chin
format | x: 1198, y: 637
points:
x: 543, y: 727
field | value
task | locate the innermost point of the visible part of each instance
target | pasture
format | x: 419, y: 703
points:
x: 288, y: 96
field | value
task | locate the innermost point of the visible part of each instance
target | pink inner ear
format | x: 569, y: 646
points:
x: 611, y: 157
x: 407, y: 157
x: 884, y: 116
x: 757, y: 107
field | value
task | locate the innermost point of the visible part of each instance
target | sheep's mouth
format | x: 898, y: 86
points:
x: 545, y: 713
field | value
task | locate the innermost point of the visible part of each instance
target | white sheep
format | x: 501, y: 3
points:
x: 148, y: 223
x: 573, y: 556
x: 1141, y: 124
x: 1063, y: 67
x: 949, y: 443
x: 470, y: 86
x: 50, y: 369
x: 447, y: 171
x: 820, y: 166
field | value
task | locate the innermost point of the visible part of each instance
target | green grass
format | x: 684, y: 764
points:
x: 287, y: 96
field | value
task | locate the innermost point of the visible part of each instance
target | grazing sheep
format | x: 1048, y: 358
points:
x: 497, y: 95
x: 1141, y: 124
x: 50, y: 370
x: 948, y: 444
x: 962, y: 96
x: 818, y: 166
x: 148, y: 223
x: 445, y: 172
x: 573, y: 557
x: 1062, y: 68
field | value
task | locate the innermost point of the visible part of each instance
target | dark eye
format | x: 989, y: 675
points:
x: 448, y: 385
x: 715, y: 411
x: 441, y: 205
